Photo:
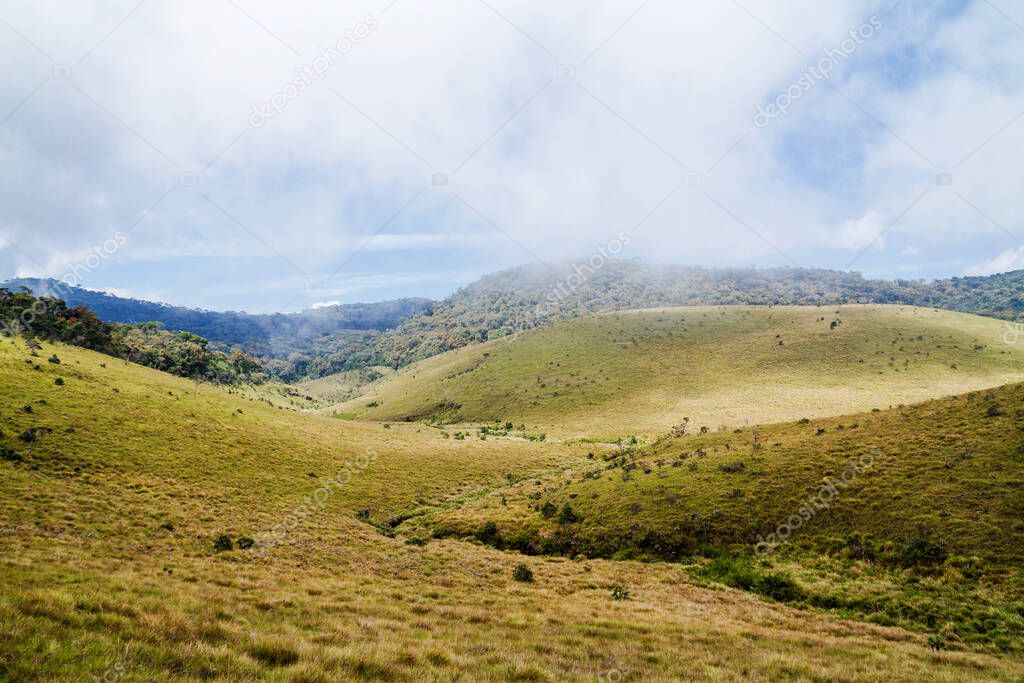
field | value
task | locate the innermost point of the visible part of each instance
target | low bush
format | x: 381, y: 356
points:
x: 522, y: 573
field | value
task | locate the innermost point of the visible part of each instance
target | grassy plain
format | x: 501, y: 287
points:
x: 642, y: 372
x: 116, y: 482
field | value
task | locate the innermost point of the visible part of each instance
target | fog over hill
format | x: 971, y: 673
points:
x: 317, y: 342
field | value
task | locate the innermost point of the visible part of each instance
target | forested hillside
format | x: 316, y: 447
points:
x: 528, y: 296
x: 319, y: 342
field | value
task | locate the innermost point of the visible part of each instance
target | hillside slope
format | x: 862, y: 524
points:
x: 120, y: 484
x: 910, y: 516
x: 620, y: 373
x: 529, y: 296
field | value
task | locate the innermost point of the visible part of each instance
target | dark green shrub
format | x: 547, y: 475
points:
x: 522, y: 573
x: 936, y: 642
x: 487, y: 533
x: 548, y: 510
x: 922, y: 551
x: 59, y: 382
x: 568, y: 515
x: 619, y: 592
x: 53, y: 359
x: 7, y: 453
x: 245, y: 542
x: 222, y: 543
x: 778, y: 586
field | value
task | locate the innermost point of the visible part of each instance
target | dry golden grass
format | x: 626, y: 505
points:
x: 107, y: 525
x: 644, y: 371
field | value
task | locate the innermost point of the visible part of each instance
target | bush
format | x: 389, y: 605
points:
x: 935, y: 642
x: 59, y: 382
x: 222, y: 543
x: 487, y: 533
x: 245, y: 542
x: 522, y: 573
x: 548, y: 510
x: 922, y: 551
x: 7, y: 453
x: 567, y: 515
x: 619, y: 592
x: 53, y: 359
x: 778, y: 586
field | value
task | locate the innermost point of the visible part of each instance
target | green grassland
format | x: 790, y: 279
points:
x: 118, y: 482
x: 342, y: 386
x: 911, y: 516
x: 642, y: 372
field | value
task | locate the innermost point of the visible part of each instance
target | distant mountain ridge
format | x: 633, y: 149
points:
x: 230, y: 327
x: 319, y: 342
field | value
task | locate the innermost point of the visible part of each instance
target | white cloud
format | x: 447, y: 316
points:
x: 1011, y: 259
x: 325, y: 304
x: 866, y: 231
x: 557, y: 164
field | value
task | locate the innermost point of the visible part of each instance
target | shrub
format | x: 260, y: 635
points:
x: 487, y: 533
x: 733, y: 467
x: 619, y: 592
x: 522, y: 573
x: 7, y: 453
x: 935, y: 642
x: 53, y: 359
x: 548, y: 510
x: 59, y: 382
x: 567, y: 515
x: 922, y: 551
x: 245, y: 542
x: 222, y: 543
x: 778, y: 586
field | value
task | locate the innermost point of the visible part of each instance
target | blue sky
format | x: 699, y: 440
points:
x: 441, y: 141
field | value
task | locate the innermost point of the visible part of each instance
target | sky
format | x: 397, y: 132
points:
x: 266, y: 156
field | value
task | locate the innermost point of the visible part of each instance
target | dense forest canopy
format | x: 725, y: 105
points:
x: 179, y: 353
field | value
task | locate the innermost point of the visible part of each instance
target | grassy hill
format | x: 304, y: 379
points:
x: 342, y: 386
x: 529, y: 296
x: 645, y: 371
x: 910, y: 516
x: 127, y: 502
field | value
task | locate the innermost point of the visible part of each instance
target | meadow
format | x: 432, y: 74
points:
x: 153, y: 529
x: 643, y: 372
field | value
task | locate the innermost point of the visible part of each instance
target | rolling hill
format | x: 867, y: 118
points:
x: 529, y: 296
x: 150, y: 531
x: 864, y: 508
x: 616, y: 374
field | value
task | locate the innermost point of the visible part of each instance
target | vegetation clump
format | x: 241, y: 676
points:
x: 522, y: 573
x: 222, y: 543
